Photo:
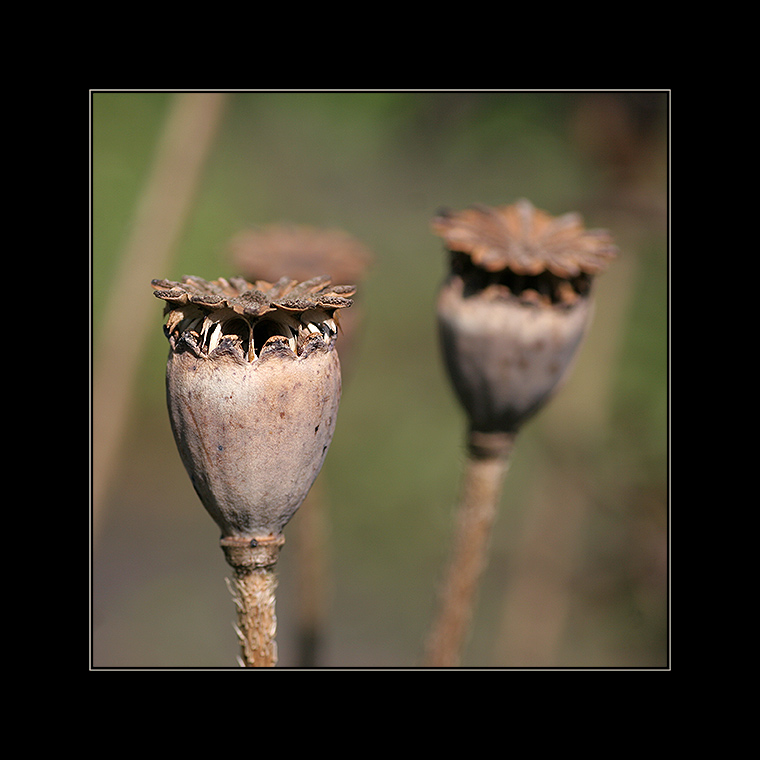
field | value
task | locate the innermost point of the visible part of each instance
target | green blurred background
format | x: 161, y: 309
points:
x: 577, y: 575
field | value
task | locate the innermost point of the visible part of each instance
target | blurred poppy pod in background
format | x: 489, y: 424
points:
x: 253, y: 385
x: 302, y: 251
x: 511, y: 314
x: 514, y: 307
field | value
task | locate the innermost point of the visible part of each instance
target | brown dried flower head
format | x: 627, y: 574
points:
x: 253, y: 385
x: 515, y: 306
x: 526, y: 240
x: 299, y: 249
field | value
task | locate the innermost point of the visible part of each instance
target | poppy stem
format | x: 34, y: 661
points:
x: 485, y: 469
x: 253, y: 591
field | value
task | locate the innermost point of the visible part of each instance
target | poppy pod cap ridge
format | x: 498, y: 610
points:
x: 514, y: 307
x: 253, y: 386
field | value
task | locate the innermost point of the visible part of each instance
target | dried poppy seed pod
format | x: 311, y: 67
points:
x: 511, y: 315
x: 515, y: 307
x: 253, y: 384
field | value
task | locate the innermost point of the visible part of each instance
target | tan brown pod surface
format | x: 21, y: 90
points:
x: 253, y: 387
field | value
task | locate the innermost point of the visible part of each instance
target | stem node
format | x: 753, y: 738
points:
x: 253, y: 592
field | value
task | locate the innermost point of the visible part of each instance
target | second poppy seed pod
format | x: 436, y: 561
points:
x: 514, y: 307
x: 253, y: 386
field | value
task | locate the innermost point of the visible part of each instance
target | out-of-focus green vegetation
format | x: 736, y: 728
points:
x: 578, y: 569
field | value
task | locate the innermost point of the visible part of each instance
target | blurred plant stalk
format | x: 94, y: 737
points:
x: 267, y: 253
x: 183, y: 147
x: 485, y: 470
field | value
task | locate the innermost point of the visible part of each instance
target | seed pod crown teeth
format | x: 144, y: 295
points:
x: 238, y: 317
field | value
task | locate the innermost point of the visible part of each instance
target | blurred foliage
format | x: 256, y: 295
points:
x: 379, y: 165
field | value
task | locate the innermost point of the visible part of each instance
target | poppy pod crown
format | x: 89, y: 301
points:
x: 514, y: 307
x: 253, y: 385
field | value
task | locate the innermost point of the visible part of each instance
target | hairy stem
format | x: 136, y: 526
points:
x: 486, y: 467
x: 253, y: 590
